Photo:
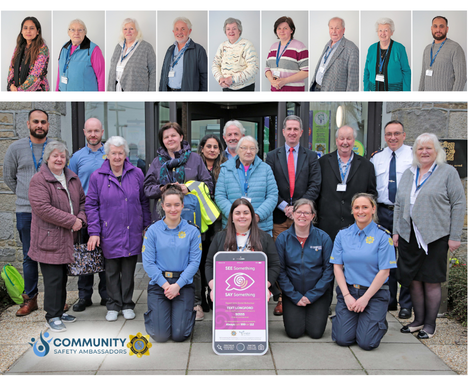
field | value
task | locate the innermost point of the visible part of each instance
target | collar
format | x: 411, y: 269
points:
x: 292, y: 229
x: 238, y: 162
x: 337, y: 43
x: 84, y: 45
x: 166, y: 227
x: 101, y: 149
x: 414, y: 168
x: 350, y: 158
x: 296, y: 148
x: 188, y: 43
x: 240, y: 37
x: 367, y: 230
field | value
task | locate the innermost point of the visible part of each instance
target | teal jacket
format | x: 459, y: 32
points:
x: 396, y: 68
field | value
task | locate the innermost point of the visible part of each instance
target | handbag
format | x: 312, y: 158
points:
x: 14, y: 283
x: 86, y: 261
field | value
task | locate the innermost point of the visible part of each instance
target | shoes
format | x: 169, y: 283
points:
x: 128, y: 314
x: 56, y: 325
x: 425, y: 335
x: 104, y: 301
x: 112, y: 315
x: 404, y: 313
x: 81, y: 305
x: 29, y: 305
x: 278, y: 311
x: 68, y: 318
x: 392, y: 308
x: 411, y: 329
x: 66, y: 307
x: 200, y: 315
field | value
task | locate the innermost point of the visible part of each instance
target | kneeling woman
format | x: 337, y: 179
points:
x: 171, y: 257
x: 306, y: 277
x: 366, y: 252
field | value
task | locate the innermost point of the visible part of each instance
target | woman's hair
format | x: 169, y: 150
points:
x: 33, y: 51
x: 56, y: 145
x: 167, y: 126
x: 230, y: 244
x: 77, y: 20
x: 231, y: 20
x: 371, y: 198
x: 289, y: 21
x: 247, y: 138
x: 385, y: 21
x: 172, y: 189
x: 219, y: 160
x: 116, y: 141
x: 137, y: 28
x: 424, y: 138
x: 305, y: 201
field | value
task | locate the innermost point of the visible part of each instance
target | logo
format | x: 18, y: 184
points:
x: 139, y: 345
x: 233, y: 333
x: 181, y: 234
x: 41, y: 348
x: 390, y: 241
x: 369, y: 240
x: 239, y: 282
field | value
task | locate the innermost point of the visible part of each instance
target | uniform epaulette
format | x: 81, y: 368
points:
x: 384, y: 229
x: 375, y: 152
x: 193, y: 224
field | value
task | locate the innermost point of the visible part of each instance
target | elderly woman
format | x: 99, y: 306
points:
x: 28, y: 67
x: 236, y: 63
x: 248, y: 176
x: 428, y: 219
x: 306, y: 277
x: 287, y: 64
x: 80, y: 64
x: 133, y: 64
x: 363, y: 255
x: 58, y: 213
x: 387, y: 67
x: 117, y: 211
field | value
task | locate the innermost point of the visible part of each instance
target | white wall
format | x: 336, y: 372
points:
x: 422, y: 35
x: 199, y: 34
x: 301, y: 34
x: 114, y: 19
x: 11, y: 27
x: 94, y: 21
x: 319, y: 35
x: 250, y: 30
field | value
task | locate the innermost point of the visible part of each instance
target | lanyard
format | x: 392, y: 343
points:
x: 245, y: 245
x: 122, y: 57
x: 382, y: 60
x: 179, y: 55
x: 417, y: 178
x: 244, y: 175
x: 345, y: 172
x: 325, y: 56
x: 432, y: 60
x: 37, y: 165
x: 278, y: 56
x: 65, y: 67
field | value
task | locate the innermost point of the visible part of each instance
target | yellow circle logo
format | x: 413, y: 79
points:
x: 181, y: 234
x: 139, y: 345
x: 390, y: 241
x: 369, y: 240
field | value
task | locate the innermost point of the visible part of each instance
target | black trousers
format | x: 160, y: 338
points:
x: 250, y: 87
x: 120, y: 282
x: 55, y: 289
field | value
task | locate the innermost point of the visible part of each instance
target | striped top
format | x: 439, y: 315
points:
x: 293, y: 60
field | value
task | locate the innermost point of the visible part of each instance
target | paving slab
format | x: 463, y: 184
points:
x: 322, y: 372
x: 203, y: 331
x: 54, y: 373
x: 233, y: 372
x: 409, y: 372
x: 140, y: 372
x: 395, y: 336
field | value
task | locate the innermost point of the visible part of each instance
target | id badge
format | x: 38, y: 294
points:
x: 380, y: 77
x: 322, y: 69
x: 171, y: 74
x: 247, y: 198
x: 429, y: 72
x: 341, y: 188
x: 64, y: 80
x: 276, y: 74
x: 119, y: 68
x: 412, y: 199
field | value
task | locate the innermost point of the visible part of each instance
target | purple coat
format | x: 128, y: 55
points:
x: 118, y: 213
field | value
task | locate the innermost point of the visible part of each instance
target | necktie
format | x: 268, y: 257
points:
x: 392, y: 186
x: 291, y: 172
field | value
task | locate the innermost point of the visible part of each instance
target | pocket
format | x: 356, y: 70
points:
x: 49, y: 239
x: 378, y: 330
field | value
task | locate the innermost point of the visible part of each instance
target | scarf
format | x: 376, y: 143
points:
x: 21, y: 67
x: 173, y: 170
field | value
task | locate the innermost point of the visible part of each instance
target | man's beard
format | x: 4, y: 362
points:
x: 39, y: 136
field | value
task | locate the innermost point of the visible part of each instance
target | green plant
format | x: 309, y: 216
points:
x: 457, y: 291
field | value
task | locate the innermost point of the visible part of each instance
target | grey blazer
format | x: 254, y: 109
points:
x: 342, y: 72
x: 439, y: 209
x: 140, y: 71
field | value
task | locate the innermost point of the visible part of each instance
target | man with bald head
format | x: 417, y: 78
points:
x: 338, y: 66
x: 344, y: 174
x: 83, y: 163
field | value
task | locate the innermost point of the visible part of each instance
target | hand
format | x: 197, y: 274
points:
x: 303, y: 302
x: 349, y: 301
x: 257, y: 218
x: 77, y: 225
x: 269, y: 294
x: 93, y: 242
x: 183, y: 187
x: 228, y: 81
x: 360, y: 304
x: 279, y: 83
x: 395, y: 240
x: 222, y: 82
x: 13, y: 88
x: 288, y: 210
x: 172, y: 291
x: 453, y: 245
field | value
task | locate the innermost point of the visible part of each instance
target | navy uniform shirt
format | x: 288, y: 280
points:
x: 84, y: 162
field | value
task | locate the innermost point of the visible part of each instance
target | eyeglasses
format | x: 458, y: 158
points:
x: 396, y: 134
x: 245, y: 148
x: 43, y: 122
x: 77, y: 30
x: 301, y: 213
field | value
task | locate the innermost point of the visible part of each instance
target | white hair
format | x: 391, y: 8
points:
x: 77, y: 20
x: 247, y: 138
x: 137, y: 27
x: 185, y: 20
x: 236, y: 123
x: 338, y: 130
x: 116, y: 141
x: 337, y: 18
x: 385, y: 21
x: 429, y: 138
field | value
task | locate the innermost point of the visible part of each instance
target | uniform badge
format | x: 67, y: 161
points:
x: 369, y: 240
x: 139, y: 345
x: 181, y: 234
x: 390, y: 241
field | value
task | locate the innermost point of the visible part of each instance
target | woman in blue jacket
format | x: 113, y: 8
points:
x: 306, y: 276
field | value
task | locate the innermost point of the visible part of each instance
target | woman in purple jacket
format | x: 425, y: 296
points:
x: 117, y: 211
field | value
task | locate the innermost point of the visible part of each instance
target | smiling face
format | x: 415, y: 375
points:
x: 384, y: 32
x: 211, y: 149
x: 93, y: 132
x: 130, y: 32
x: 284, y: 31
x: 77, y: 33
x: 247, y: 152
x: 439, y: 30
x: 426, y: 154
x: 363, y: 210
x: 232, y: 32
x: 116, y: 157
x: 172, y: 140
x: 56, y: 161
x: 172, y: 206
x: 394, y: 136
x: 292, y: 133
x: 29, y: 31
x: 345, y: 141
x: 303, y: 217
x: 181, y: 32
x: 242, y: 218
x: 232, y: 137
x: 336, y: 30
x: 38, y: 125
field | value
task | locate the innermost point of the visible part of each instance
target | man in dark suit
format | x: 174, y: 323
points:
x: 297, y: 174
x: 344, y: 174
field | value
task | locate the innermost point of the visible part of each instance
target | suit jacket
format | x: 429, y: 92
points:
x: 334, y: 208
x: 308, y: 177
x: 342, y: 72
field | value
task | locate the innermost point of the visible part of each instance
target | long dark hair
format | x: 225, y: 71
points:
x: 230, y: 244
x: 33, y: 50
x: 218, y: 161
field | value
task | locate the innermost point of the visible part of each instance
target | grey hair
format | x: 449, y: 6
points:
x: 185, y: 20
x: 137, y: 27
x: 236, y: 123
x: 77, y: 20
x: 60, y: 146
x: 231, y: 20
x: 371, y: 198
x: 247, y: 138
x: 425, y: 138
x: 337, y: 18
x: 354, y: 131
x: 116, y: 141
x: 385, y: 21
x: 306, y: 201
x: 292, y: 117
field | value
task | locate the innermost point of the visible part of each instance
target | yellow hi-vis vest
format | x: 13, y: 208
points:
x: 209, y: 211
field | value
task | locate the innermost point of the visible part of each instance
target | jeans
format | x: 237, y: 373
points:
x: 30, y: 267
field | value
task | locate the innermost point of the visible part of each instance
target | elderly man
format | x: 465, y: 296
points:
x: 343, y: 175
x: 338, y: 67
x: 83, y: 163
x: 444, y: 63
x: 233, y: 131
x: 389, y: 164
x: 185, y: 64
